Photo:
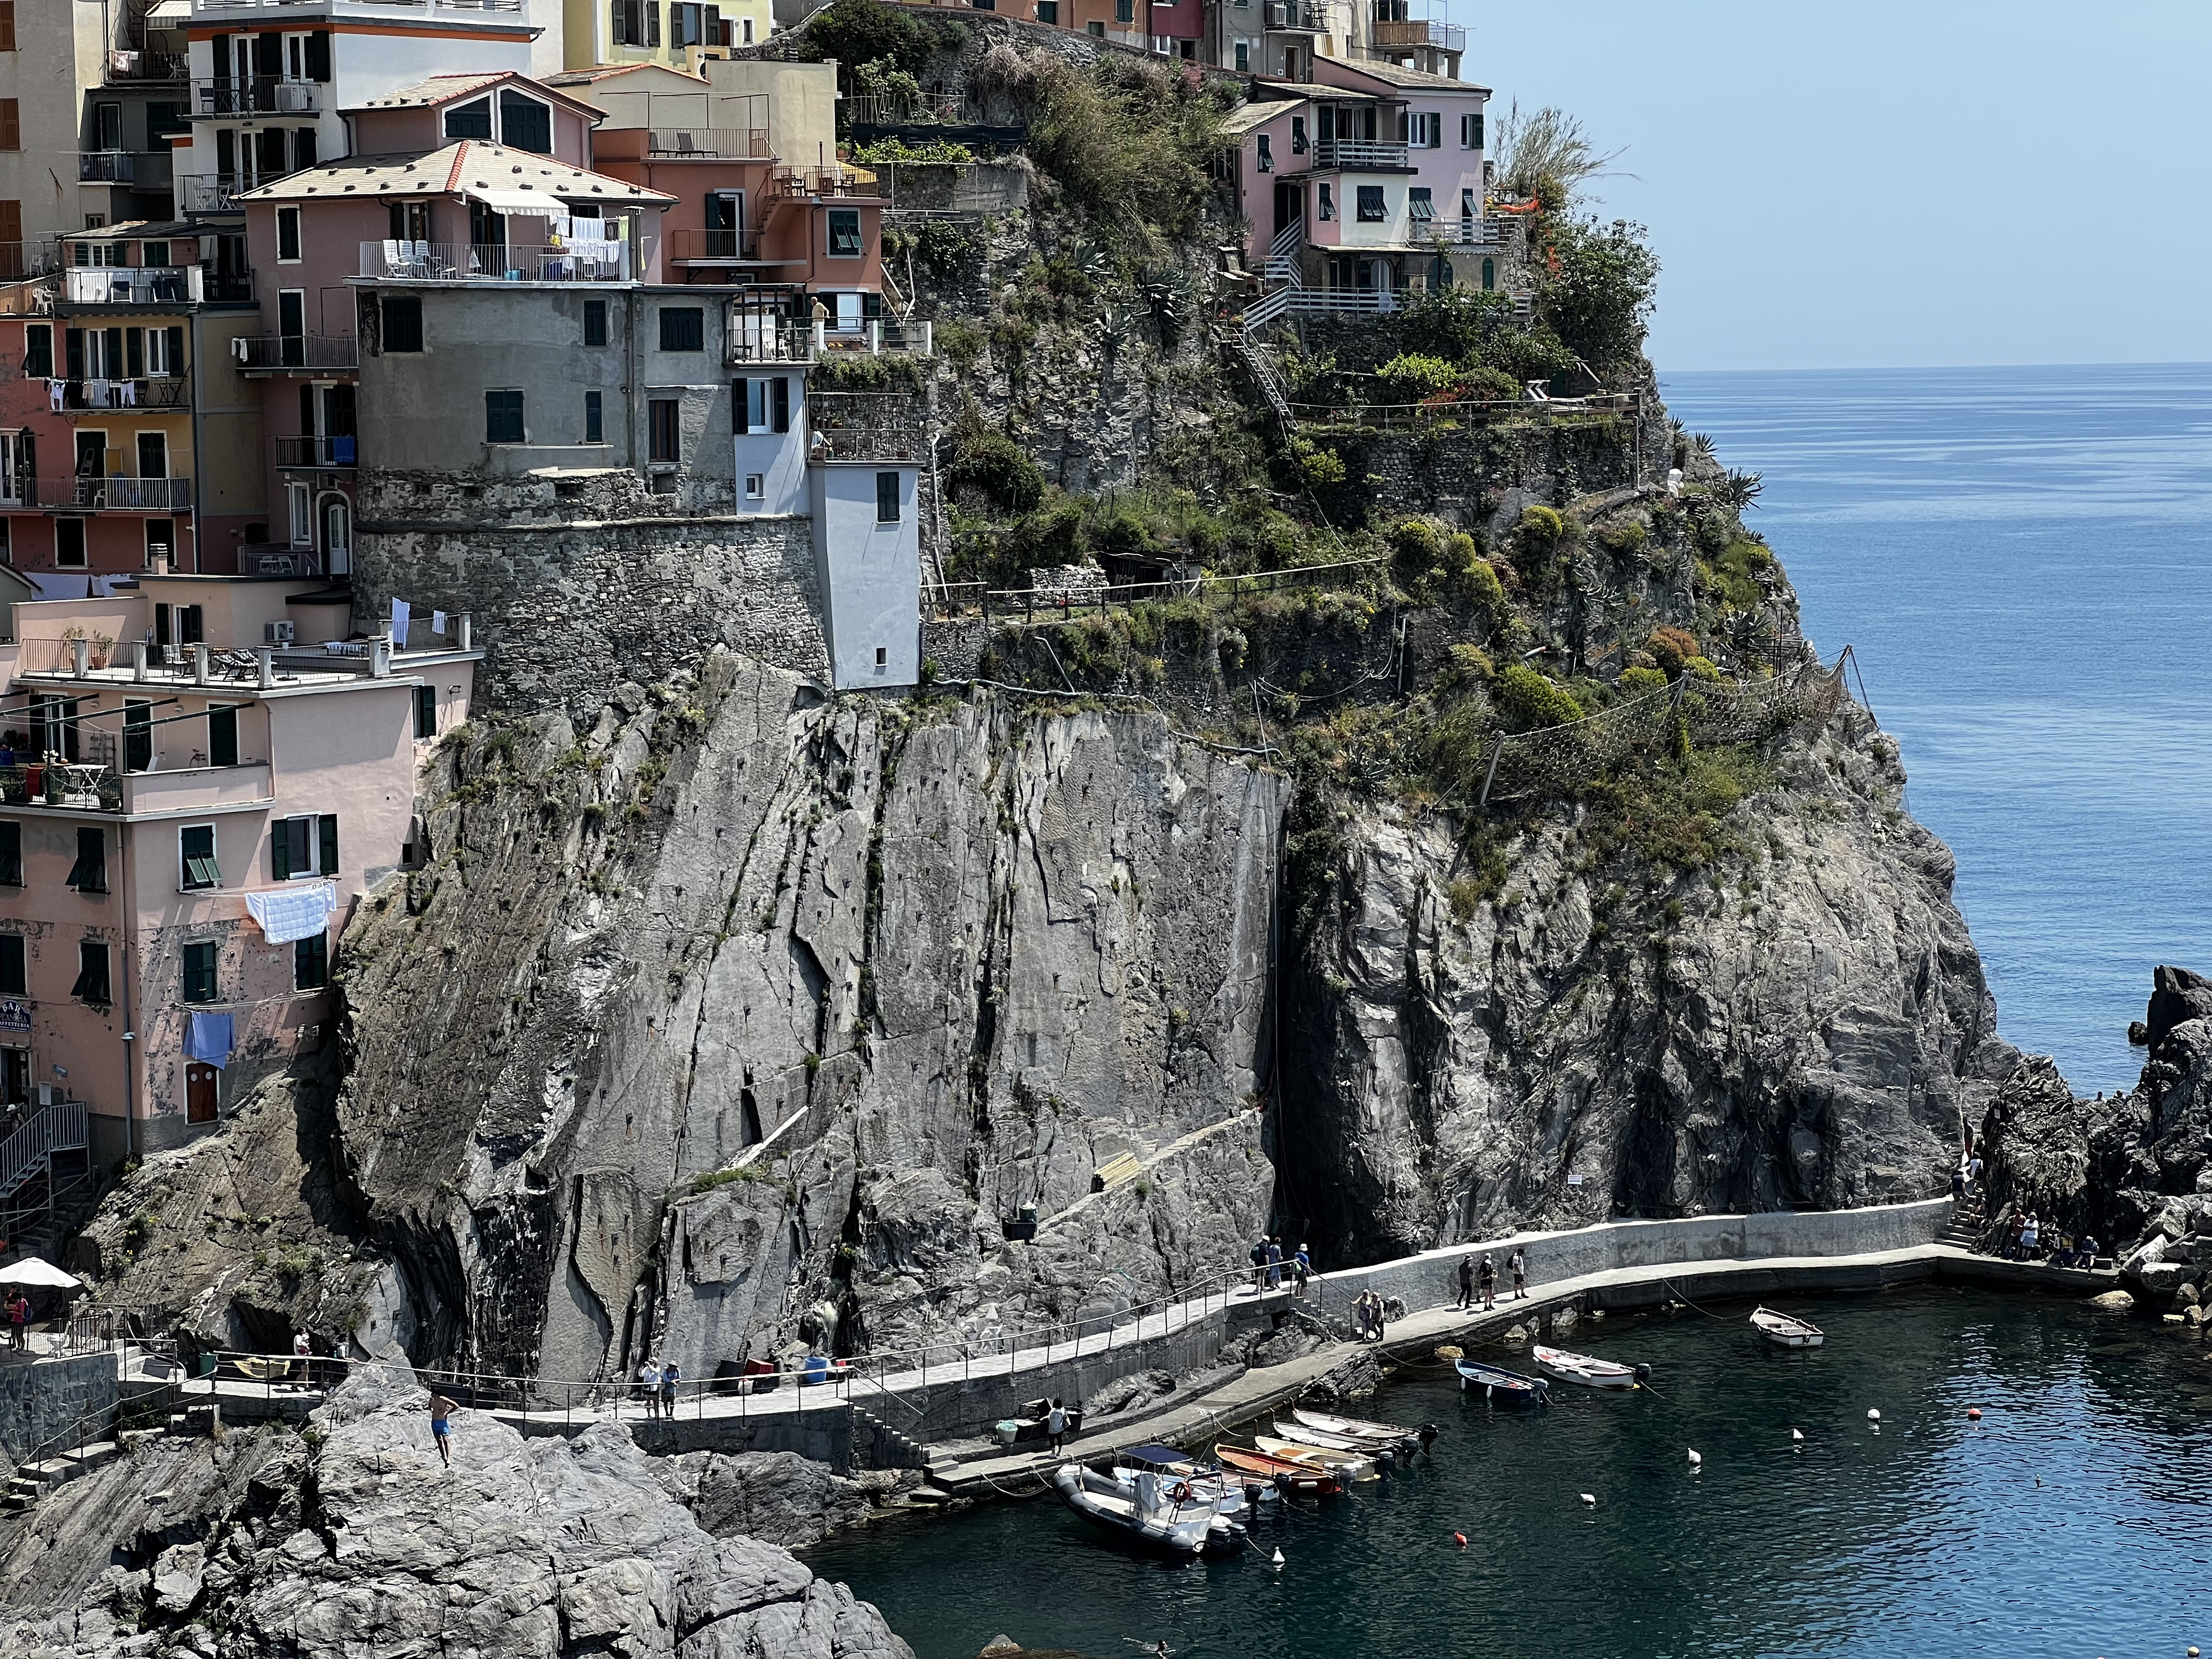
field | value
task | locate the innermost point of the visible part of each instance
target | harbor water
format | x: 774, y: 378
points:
x: 2073, y: 1519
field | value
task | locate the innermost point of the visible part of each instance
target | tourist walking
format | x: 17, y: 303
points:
x: 1301, y: 1268
x: 1974, y: 1174
x: 1520, y: 1264
x: 1055, y: 1423
x: 1466, y: 1284
x: 19, y: 1309
x: 441, y: 1425
x: 1274, y: 1264
x: 670, y: 1377
x: 1380, y: 1309
x: 648, y: 1384
x: 1260, y: 1266
x: 1958, y: 1185
x: 1489, y: 1277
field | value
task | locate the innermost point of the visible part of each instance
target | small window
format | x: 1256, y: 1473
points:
x: 200, y: 971
x: 1418, y: 205
x: 15, y: 967
x: 664, y: 428
x: 38, y: 351
x: 594, y: 419
x: 1298, y: 135
x: 1267, y: 156
x: 1470, y: 132
x: 525, y: 124
x: 1047, y: 11
x: 503, y: 417
x: 682, y: 328
x: 887, y: 498
x: 883, y: 656
x: 222, y: 736
x: 470, y: 120
x: 1125, y: 11
x: 844, y: 233
x: 92, y: 984
x: 426, y: 711
x: 90, y: 874
x: 311, y: 962
x: 1326, y: 209
x: 196, y: 869
x: 1244, y: 53
x: 754, y: 394
x: 1096, y: 30
x: 69, y: 544
x: 287, y: 235
x: 11, y: 855
x: 302, y: 847
x: 595, y: 322
x: 756, y: 486
x: 1371, y: 210
x: 403, y: 323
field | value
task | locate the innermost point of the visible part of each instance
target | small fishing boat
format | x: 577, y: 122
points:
x: 1148, y: 1516
x: 1501, y: 1387
x: 1384, y: 1452
x: 1308, y: 1478
x: 1231, y: 1494
x: 1349, y: 1465
x: 1359, y: 1429
x: 1590, y: 1373
x: 1787, y: 1330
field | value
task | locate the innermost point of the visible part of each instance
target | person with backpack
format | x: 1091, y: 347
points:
x: 1260, y: 1267
x: 1520, y: 1265
x: 1489, y: 1277
x: 1466, y: 1285
x: 1302, y: 1269
x: 1055, y: 1423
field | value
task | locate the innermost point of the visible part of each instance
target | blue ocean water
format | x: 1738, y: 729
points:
x: 2022, y: 559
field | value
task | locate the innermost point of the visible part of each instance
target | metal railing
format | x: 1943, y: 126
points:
x: 792, y: 182
x: 20, y: 259
x: 879, y: 109
x: 739, y: 245
x: 1293, y: 16
x: 50, y: 1129
x: 169, y: 391
x: 310, y: 351
x: 208, y: 192
x: 876, y: 335
x: 1420, y: 32
x: 707, y: 143
x: 256, y: 94
x: 81, y: 786
x: 133, y: 65
x: 322, y: 452
x: 111, y: 167
x: 1358, y: 153
x: 118, y: 495
x: 1062, y: 604
x: 1342, y: 301
x: 137, y: 285
x: 464, y: 261
x: 755, y: 338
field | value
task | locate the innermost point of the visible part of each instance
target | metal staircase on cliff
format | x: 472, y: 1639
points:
x: 45, y: 1175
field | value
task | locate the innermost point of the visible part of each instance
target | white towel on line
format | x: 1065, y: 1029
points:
x: 292, y: 913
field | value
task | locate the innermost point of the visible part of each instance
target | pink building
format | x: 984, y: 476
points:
x: 196, y: 791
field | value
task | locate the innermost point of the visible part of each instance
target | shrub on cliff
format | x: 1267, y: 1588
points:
x: 1598, y: 294
x: 994, y: 466
x: 1541, y: 526
x: 1636, y: 682
x: 1671, y: 647
x: 1528, y: 700
x: 1415, y: 549
x: 1411, y: 376
x: 867, y: 35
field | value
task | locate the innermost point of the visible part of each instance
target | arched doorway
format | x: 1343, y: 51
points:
x: 337, y: 535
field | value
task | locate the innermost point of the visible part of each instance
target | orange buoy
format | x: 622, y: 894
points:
x: 1973, y: 1413
x: 1460, y: 1538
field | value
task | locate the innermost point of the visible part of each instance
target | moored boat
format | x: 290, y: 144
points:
x: 1360, y: 1429
x: 1308, y: 1478
x: 1501, y: 1387
x: 1349, y: 1465
x: 1147, y: 1517
x: 1231, y: 1494
x: 1787, y: 1330
x: 1590, y: 1372
x: 1385, y: 1453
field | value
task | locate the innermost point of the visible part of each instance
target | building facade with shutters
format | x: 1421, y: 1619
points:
x: 194, y: 792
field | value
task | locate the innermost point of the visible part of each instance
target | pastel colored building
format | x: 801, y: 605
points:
x: 677, y: 33
x: 196, y: 793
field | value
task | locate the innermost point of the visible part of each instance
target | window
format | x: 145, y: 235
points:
x: 1427, y: 129
x: 1048, y: 11
x: 1489, y: 273
x: 1326, y: 208
x: 595, y: 322
x: 778, y: 404
x: 887, y: 498
x: 90, y: 874
x: 7, y: 25
x: 301, y: 511
x: 1418, y: 205
x: 1125, y: 11
x: 222, y: 735
x: 11, y: 124
x: 91, y: 973
x: 200, y: 971
x: 1371, y: 210
x: 594, y: 419
x: 844, y: 233
x: 426, y: 711
x: 195, y: 866
x: 748, y: 25
x: 153, y: 454
x: 756, y: 486
x: 311, y: 962
x: 470, y: 120
x: 682, y: 328
x: 1298, y: 135
x: 1243, y: 51
x: 1267, y: 156
x: 403, y: 323
x: 137, y: 735
x: 11, y: 855
x: 288, y: 236
x: 304, y: 846
x: 767, y: 405
x: 164, y: 352
x: 503, y: 417
x: 69, y: 544
x: 1470, y: 132
x: 160, y: 540
x: 525, y: 124
x: 15, y: 970
x: 663, y: 429
x: 625, y: 27
x: 38, y: 351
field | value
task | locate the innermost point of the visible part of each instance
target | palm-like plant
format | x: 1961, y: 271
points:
x: 1548, y: 156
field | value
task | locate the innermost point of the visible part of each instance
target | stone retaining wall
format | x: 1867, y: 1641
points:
x: 41, y: 1400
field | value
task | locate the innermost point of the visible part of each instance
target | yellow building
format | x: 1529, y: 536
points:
x: 679, y: 34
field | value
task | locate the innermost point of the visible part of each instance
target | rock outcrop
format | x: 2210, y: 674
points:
x: 354, y: 1539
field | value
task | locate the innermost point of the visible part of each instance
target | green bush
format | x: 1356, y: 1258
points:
x: 1636, y: 682
x: 1623, y: 536
x: 1318, y: 468
x: 1670, y: 647
x: 1702, y: 668
x: 1600, y: 292
x: 1542, y: 526
x: 994, y: 466
x: 960, y: 344
x: 1411, y: 376
x: 1529, y: 701
x: 938, y: 152
x: 867, y: 32
x: 1465, y: 667
x: 1414, y: 548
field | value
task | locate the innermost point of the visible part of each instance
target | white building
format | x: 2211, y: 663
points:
x: 867, y: 566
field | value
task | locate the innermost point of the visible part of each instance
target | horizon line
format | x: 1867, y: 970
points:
x: 1901, y: 368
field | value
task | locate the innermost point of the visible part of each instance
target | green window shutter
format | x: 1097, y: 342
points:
x: 280, y: 850
x: 329, y: 837
x: 176, y: 349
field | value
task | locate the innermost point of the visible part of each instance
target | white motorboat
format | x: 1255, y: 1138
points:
x: 1385, y: 1453
x: 1230, y: 1494
x: 1590, y: 1372
x: 1148, y: 1514
x: 1787, y: 1330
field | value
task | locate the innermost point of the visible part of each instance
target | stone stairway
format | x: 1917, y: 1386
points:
x: 877, y: 1445
x: 1964, y: 1230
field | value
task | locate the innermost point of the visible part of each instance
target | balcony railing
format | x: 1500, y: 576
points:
x: 108, y: 166
x: 741, y: 143
x: 1291, y: 16
x: 318, y: 454
x: 461, y: 262
x: 135, y: 67
x: 20, y: 259
x: 756, y: 338
x: 256, y: 94
x: 132, y: 285
x: 734, y: 246
x: 1357, y: 153
x: 1419, y: 32
x: 110, y: 494
x: 97, y: 396
x: 816, y: 181
x: 227, y: 7
x: 274, y: 352
x: 866, y: 426
x: 876, y: 335
x: 203, y: 192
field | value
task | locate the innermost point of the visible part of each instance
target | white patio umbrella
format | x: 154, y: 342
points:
x: 38, y: 1274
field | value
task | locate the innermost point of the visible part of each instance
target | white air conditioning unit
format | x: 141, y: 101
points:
x: 277, y: 633
x: 48, y: 1094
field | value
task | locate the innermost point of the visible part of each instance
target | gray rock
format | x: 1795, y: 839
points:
x: 777, y: 1497
x: 2113, y: 1301
x: 1140, y: 1389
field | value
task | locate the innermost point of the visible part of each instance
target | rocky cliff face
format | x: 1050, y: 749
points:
x: 355, y: 1539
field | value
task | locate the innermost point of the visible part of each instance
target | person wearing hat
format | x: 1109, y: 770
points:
x: 1489, y: 1277
x: 1301, y: 1268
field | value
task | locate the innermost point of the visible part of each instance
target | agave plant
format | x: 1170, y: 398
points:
x: 1739, y: 489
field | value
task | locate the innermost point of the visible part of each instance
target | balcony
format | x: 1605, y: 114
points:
x: 882, y: 109
x: 205, y: 192
x: 132, y: 285
x: 135, y: 67
x: 109, y: 166
x: 258, y: 95
x: 1291, y: 16
x: 97, y: 787
x: 798, y: 183
x: 277, y: 354
x: 20, y: 259
x: 461, y: 262
x: 865, y: 426
x: 229, y: 8
x: 312, y: 454
x: 1419, y: 32
x: 108, y: 495
x: 720, y: 247
x: 707, y: 143
x: 1358, y: 154
x: 98, y: 396
x: 875, y: 337
x: 756, y: 338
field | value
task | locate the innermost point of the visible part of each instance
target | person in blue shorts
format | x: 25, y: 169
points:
x: 442, y: 1426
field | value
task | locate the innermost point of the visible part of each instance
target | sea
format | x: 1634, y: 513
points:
x: 2070, y: 1519
x: 2021, y: 562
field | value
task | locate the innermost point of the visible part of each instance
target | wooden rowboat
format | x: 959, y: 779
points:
x: 1786, y: 1330
x: 1348, y: 1465
x: 1501, y: 1387
x: 1582, y: 1369
x: 1298, y: 1477
x: 1360, y: 1430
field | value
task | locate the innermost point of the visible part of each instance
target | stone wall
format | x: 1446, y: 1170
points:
x: 43, y: 1399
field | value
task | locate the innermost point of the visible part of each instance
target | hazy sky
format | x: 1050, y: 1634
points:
x: 1884, y: 184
